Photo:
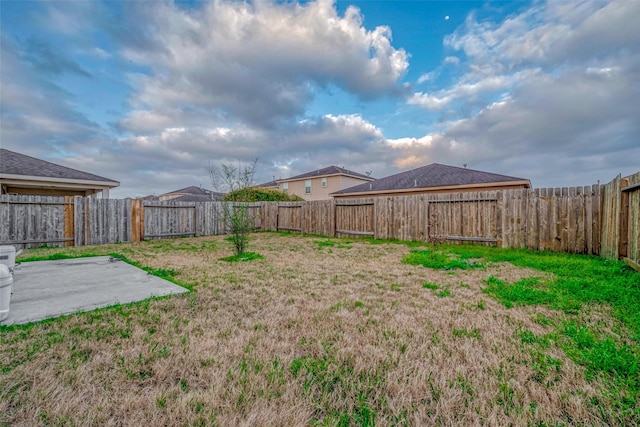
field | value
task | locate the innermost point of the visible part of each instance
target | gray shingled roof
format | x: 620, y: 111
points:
x: 330, y: 170
x: 433, y: 175
x: 13, y: 163
x: 198, y: 197
x: 196, y: 194
x: 191, y: 190
x: 268, y: 184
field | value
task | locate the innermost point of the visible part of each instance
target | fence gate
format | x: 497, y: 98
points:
x: 630, y: 221
x: 463, y: 219
x: 355, y: 218
x: 170, y: 220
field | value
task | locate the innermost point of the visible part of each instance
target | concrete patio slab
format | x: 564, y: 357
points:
x: 46, y: 289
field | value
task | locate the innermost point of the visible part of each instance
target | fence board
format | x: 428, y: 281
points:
x: 32, y: 221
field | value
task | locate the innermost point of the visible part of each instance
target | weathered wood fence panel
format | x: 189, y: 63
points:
x: 611, y: 219
x: 102, y: 221
x: 255, y: 210
x: 354, y: 217
x: 32, y: 221
x: 169, y: 219
x: 462, y: 217
x: 209, y: 218
x: 289, y: 216
x: 555, y: 219
x: 318, y: 217
x: 269, y: 213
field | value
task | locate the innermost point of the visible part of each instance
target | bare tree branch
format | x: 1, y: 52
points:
x: 225, y: 177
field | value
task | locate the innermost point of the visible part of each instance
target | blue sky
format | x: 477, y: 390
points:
x: 148, y: 93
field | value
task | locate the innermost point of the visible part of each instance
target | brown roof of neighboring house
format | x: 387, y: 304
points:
x: 12, y: 163
x: 433, y: 175
x: 330, y: 170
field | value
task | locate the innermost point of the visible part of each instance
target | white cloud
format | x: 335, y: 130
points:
x: 257, y: 62
x: 452, y: 60
x: 556, y: 83
x: 469, y: 91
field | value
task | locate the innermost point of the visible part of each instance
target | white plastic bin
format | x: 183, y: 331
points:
x: 6, y: 281
x: 8, y: 256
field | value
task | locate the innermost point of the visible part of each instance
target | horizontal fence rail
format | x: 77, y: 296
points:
x: 598, y: 219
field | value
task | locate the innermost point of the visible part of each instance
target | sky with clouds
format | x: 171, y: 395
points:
x: 148, y: 93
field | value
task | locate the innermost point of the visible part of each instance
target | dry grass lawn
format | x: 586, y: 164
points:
x: 323, y: 334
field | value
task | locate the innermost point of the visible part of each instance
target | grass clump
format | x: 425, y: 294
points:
x: 333, y: 244
x: 57, y: 256
x: 466, y: 333
x: 243, y: 257
x: 430, y: 285
x: 439, y: 260
x: 527, y: 291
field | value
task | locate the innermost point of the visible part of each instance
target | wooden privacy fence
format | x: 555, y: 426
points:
x: 562, y: 219
x: 621, y: 220
x: 32, y: 221
x: 598, y: 219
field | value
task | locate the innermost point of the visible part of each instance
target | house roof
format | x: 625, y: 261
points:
x: 268, y: 184
x: 330, y: 170
x: 433, y: 175
x: 12, y: 163
x: 191, y: 190
x: 195, y: 194
x: 198, y: 197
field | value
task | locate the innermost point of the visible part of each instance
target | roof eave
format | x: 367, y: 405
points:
x: 35, y: 181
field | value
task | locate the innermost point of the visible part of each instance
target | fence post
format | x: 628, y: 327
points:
x: 624, y: 221
x: 499, y: 216
x: 137, y: 221
x: 69, y: 219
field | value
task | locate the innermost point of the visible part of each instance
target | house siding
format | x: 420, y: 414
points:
x: 334, y: 183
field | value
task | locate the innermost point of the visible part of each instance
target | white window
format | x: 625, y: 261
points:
x: 324, y: 182
x: 307, y: 186
x: 285, y: 187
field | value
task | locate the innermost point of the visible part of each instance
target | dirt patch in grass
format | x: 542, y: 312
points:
x: 306, y: 335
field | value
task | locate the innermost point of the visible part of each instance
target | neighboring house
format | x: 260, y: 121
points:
x: 434, y: 178
x: 319, y: 184
x: 191, y: 194
x: 21, y: 174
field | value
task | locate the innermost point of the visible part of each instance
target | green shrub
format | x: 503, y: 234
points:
x: 257, y: 194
